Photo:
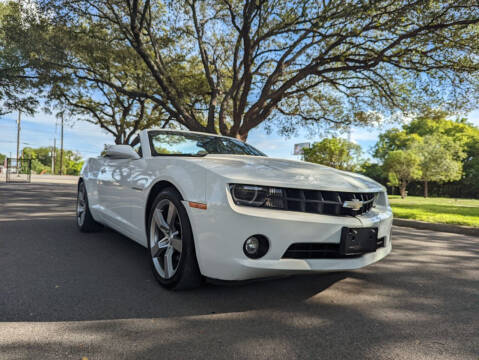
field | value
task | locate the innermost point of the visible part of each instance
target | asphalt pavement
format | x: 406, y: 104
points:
x: 68, y: 295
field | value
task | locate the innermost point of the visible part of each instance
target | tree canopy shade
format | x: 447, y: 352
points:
x: 228, y: 66
x: 335, y: 152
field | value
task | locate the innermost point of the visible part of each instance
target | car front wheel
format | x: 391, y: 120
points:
x: 170, y: 240
x: 85, y: 220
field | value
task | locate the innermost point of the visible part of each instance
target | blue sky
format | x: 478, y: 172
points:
x: 88, y: 139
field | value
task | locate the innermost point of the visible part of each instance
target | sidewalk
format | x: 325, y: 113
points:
x: 55, y: 179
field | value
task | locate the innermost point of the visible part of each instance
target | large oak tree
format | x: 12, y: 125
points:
x: 290, y: 63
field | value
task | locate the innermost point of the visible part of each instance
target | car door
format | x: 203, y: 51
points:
x: 115, y: 194
x: 110, y: 188
x: 137, y: 182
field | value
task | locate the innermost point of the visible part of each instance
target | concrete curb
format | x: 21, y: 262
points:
x: 456, y: 229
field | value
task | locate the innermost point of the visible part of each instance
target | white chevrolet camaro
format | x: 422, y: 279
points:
x: 214, y: 207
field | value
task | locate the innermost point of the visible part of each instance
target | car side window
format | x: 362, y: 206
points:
x: 136, y: 145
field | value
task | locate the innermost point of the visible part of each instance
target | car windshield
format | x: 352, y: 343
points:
x: 189, y: 144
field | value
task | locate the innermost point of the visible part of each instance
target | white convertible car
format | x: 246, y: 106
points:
x: 215, y: 207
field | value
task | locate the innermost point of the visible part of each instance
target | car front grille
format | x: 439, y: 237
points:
x: 319, y: 202
x: 321, y: 251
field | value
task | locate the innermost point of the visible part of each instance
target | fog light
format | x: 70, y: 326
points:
x: 251, y: 246
x: 256, y: 246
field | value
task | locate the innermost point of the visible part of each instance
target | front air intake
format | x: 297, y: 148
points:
x: 321, y: 251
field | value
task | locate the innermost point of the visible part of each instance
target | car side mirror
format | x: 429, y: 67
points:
x: 121, y: 152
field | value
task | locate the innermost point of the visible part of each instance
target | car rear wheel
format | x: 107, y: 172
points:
x: 85, y: 221
x: 170, y: 240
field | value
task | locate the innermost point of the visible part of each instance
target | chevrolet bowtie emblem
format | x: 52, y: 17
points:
x: 354, y: 204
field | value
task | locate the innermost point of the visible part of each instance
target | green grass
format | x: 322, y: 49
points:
x: 437, y: 210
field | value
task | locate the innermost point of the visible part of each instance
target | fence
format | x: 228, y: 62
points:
x: 20, y: 172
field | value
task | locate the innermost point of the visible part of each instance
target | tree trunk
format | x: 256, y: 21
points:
x: 426, y: 192
x: 120, y: 139
x: 241, y: 137
x: 402, y: 189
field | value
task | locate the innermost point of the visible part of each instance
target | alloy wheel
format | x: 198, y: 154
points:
x: 81, y: 205
x: 165, y: 239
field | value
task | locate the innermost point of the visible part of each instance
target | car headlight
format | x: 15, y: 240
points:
x: 249, y: 195
x: 258, y: 196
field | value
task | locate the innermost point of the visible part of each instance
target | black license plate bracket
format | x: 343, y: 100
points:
x: 357, y: 241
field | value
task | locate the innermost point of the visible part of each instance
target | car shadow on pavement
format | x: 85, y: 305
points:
x: 52, y: 272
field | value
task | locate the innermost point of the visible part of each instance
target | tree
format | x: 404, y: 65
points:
x: 37, y: 54
x: 440, y: 159
x: 459, y: 135
x: 80, y: 92
x: 471, y: 169
x: 290, y: 63
x: 13, y: 65
x: 335, y: 152
x: 24, y: 73
x: 42, y: 160
x: 73, y: 163
x: 119, y: 115
x: 394, y: 139
x: 402, y: 167
x: 375, y: 171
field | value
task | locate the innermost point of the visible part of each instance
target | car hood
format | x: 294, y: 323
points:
x: 261, y: 170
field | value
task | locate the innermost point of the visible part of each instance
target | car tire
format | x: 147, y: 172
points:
x: 85, y: 221
x: 170, y: 242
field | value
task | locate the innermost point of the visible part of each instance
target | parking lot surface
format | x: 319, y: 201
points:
x: 68, y: 295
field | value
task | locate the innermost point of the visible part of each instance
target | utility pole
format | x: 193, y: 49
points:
x: 61, y: 150
x: 51, y: 155
x: 18, y: 137
x: 54, y: 155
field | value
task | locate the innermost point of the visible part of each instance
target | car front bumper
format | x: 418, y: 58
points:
x: 220, y: 232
